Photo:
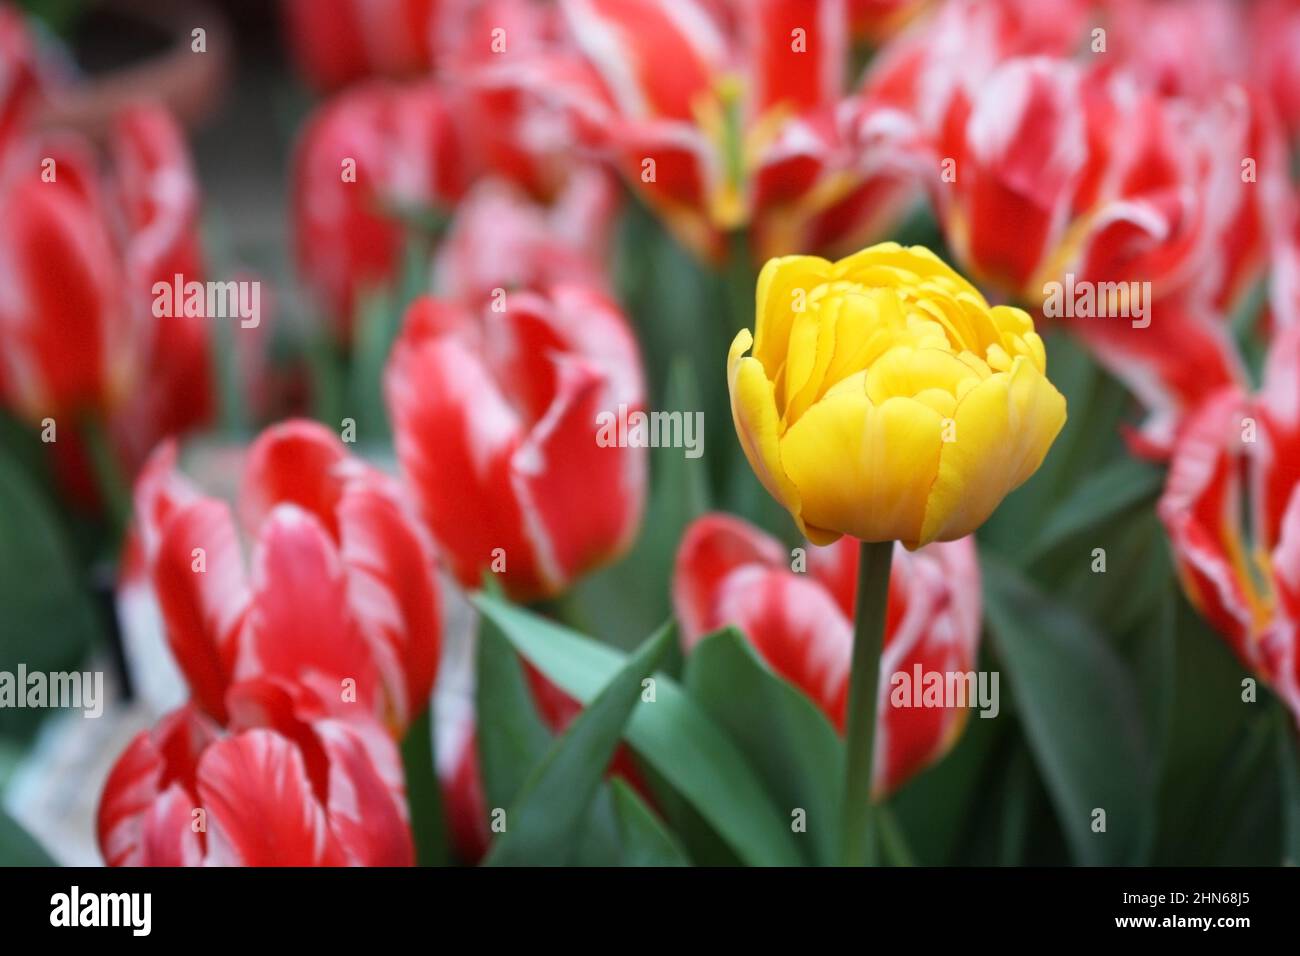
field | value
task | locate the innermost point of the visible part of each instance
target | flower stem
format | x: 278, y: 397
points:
x: 113, y: 485
x: 857, y: 836
x: 423, y: 798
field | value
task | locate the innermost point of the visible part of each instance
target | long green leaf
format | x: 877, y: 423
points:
x: 645, y: 840
x: 615, y: 602
x: 1079, y: 707
x: 1101, y: 496
x: 49, y: 620
x: 544, y: 822
x: 511, y: 736
x: 1289, y: 768
x: 423, y: 796
x: 679, y: 742
x: 791, y: 745
x: 17, y: 847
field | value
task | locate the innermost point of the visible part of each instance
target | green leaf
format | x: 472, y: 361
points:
x: 49, y: 619
x: 1203, y: 746
x: 1289, y: 768
x: 17, y: 847
x: 935, y: 808
x: 423, y: 795
x: 645, y: 840
x: 546, y: 818
x: 1080, y: 710
x: 893, y: 842
x: 793, y: 747
x: 678, y: 741
x: 1238, y: 819
x: 1112, y: 490
x: 615, y: 602
x: 511, y: 736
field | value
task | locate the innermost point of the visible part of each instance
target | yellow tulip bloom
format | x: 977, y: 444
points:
x: 885, y: 399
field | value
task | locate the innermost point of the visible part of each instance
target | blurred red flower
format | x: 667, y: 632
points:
x: 283, y: 785
x: 336, y: 42
x: 365, y: 160
x: 1231, y: 506
x: 83, y: 247
x: 726, y: 115
x: 19, y: 77
x: 342, y: 600
x: 495, y: 411
x: 730, y: 573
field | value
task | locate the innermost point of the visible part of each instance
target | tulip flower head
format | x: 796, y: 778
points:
x: 495, y: 415
x: 1231, y: 506
x: 886, y: 399
x: 339, y: 600
x: 281, y: 786
x: 730, y: 573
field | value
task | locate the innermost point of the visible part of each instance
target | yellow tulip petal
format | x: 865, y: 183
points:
x: 885, y: 398
x: 1003, y: 428
x: 818, y: 363
x: 917, y: 260
x: 863, y: 469
x: 904, y: 372
x: 775, y: 303
x: 866, y: 326
x: 753, y: 410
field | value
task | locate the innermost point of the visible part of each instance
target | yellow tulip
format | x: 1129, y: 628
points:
x: 886, y: 399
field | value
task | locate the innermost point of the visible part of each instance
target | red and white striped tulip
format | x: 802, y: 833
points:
x: 281, y: 785
x: 731, y: 573
x: 340, y: 601
x: 495, y: 414
x: 337, y: 42
x: 727, y: 115
x: 85, y: 239
x: 1086, y: 177
x: 361, y: 158
x: 1231, y: 506
x: 502, y: 239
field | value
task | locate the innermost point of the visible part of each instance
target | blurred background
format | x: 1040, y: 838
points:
x: 264, y: 96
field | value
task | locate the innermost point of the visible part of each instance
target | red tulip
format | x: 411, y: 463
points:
x: 1066, y: 177
x: 19, y: 77
x: 63, y: 318
x: 1231, y: 506
x: 495, y: 413
x: 157, y: 195
x: 341, y: 600
x: 361, y: 157
x: 500, y: 239
x: 336, y: 42
x: 283, y: 785
x: 530, y: 101
x: 83, y: 244
x: 801, y: 624
x: 726, y: 117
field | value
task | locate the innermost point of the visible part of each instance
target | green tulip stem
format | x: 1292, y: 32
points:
x: 857, y: 836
